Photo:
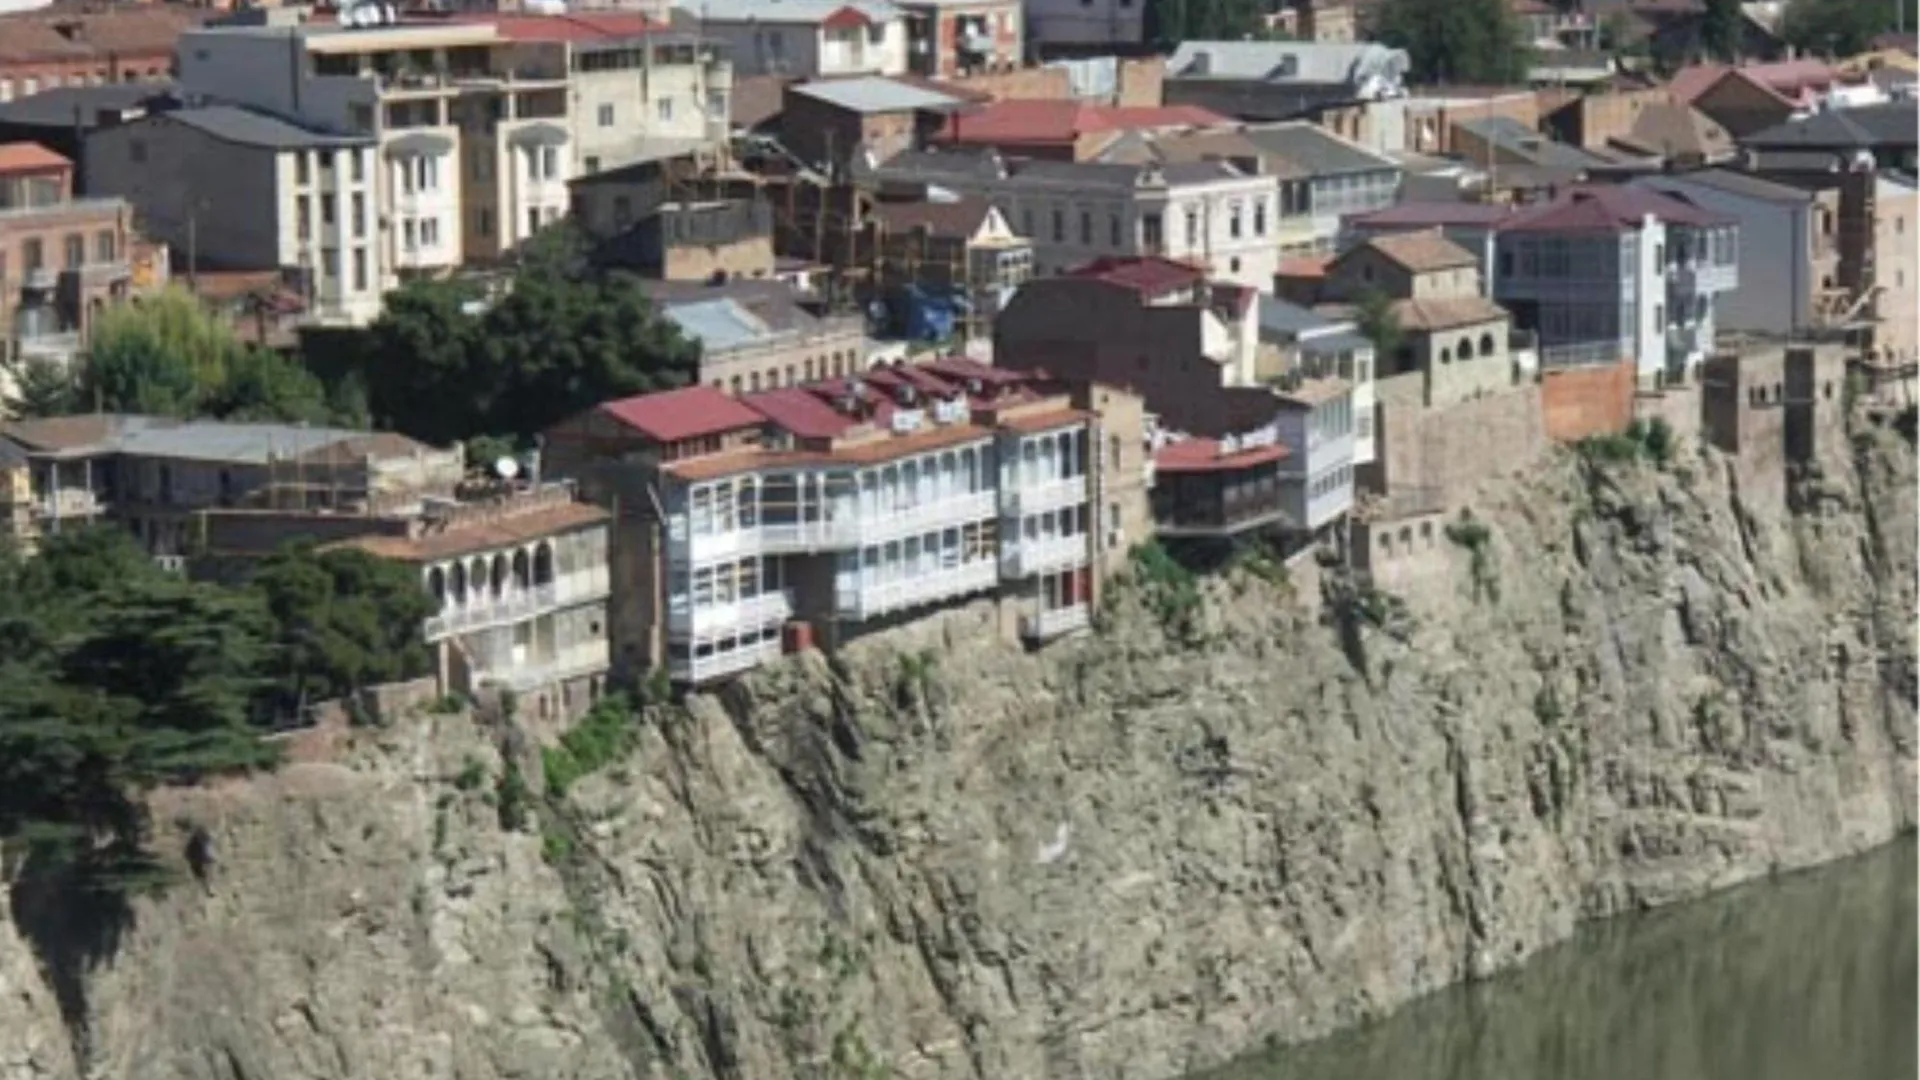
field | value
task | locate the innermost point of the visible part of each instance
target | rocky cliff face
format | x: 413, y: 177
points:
x: 1127, y: 856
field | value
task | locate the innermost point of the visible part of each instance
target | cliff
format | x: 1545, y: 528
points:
x: 1246, y: 809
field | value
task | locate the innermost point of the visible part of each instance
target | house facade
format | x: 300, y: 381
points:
x: 1281, y: 80
x: 962, y: 247
x: 948, y: 38
x: 830, y: 122
x: 1606, y: 273
x: 1321, y: 347
x: 234, y: 189
x: 1781, y: 242
x: 807, y: 39
x: 842, y: 506
x: 1209, y: 212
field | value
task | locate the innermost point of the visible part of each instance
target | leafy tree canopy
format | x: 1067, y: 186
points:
x: 1169, y: 22
x: 446, y: 363
x: 342, y: 620
x: 1836, y: 27
x: 1458, y: 41
x: 167, y: 355
x: 1374, y: 318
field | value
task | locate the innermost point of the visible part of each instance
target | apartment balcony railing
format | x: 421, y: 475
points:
x: 102, y: 272
x: 960, y: 509
x: 572, y: 664
x: 863, y: 530
x: 718, y: 620
x: 868, y: 600
x: 1055, y: 622
x: 68, y: 502
x: 1200, y: 519
x: 1024, y: 558
x: 1695, y: 278
x: 719, y: 665
x: 1581, y: 354
x: 485, y: 611
x: 1022, y: 500
x: 41, y: 278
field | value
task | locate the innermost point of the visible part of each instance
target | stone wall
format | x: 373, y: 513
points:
x: 1447, y: 452
x: 1582, y: 402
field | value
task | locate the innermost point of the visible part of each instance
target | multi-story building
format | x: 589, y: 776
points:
x: 62, y: 259
x: 642, y: 217
x: 946, y: 38
x: 1471, y: 225
x: 1207, y: 488
x: 235, y: 189
x: 521, y: 586
x: 44, y: 50
x: 1783, y: 237
x: 1281, y: 80
x: 1085, y: 26
x: 807, y: 39
x: 1896, y: 271
x: 959, y: 247
x: 471, y: 128
x: 831, y: 121
x: 1064, y: 129
x: 1887, y: 133
x: 638, y: 85
x: 1311, y: 342
x: 1602, y: 274
x: 1217, y: 213
x: 844, y: 505
x: 760, y: 335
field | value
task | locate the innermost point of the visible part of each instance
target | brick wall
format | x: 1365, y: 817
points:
x: 748, y: 258
x: 1026, y: 83
x: 1142, y: 81
x: 1581, y: 402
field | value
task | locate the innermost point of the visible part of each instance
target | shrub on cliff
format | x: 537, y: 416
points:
x: 603, y: 737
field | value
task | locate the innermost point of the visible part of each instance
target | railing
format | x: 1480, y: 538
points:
x: 99, y: 203
x: 719, y: 665
x: 574, y: 663
x: 718, y: 619
x: 1021, y: 500
x: 864, y: 600
x: 480, y: 612
x: 862, y: 530
x: 68, y: 502
x: 1218, y: 521
x: 1055, y: 622
x: 1691, y: 278
x: 1584, y: 354
x: 1024, y: 558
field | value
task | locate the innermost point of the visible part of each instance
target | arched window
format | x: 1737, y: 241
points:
x: 1486, y: 344
x: 499, y: 574
x: 1465, y: 348
x: 1446, y: 356
x: 477, y: 578
x: 437, y: 585
x: 457, y: 583
x: 522, y: 569
x: 543, y: 564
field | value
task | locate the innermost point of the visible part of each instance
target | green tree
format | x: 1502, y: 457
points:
x: 446, y: 363
x: 1170, y: 22
x: 169, y: 355
x: 1720, y: 29
x: 43, y: 387
x: 1836, y: 27
x: 1376, y: 321
x: 341, y: 620
x: 1458, y: 41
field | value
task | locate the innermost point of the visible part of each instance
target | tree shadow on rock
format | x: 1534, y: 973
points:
x: 74, y: 914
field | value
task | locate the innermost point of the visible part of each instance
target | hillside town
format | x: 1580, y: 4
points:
x: 966, y: 301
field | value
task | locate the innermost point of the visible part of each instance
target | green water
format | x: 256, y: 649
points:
x: 1807, y: 977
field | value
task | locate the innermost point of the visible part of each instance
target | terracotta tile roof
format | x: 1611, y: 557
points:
x: 1197, y: 455
x: 1427, y: 316
x: 144, y: 32
x: 1672, y: 130
x: 506, y: 531
x: 1610, y: 208
x: 16, y: 157
x: 1304, y: 266
x: 689, y: 413
x: 801, y: 411
x: 957, y: 219
x: 1690, y: 82
x: 1420, y: 252
x: 1021, y: 121
x: 1148, y: 276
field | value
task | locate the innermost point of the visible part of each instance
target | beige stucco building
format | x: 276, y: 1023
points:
x: 1896, y: 269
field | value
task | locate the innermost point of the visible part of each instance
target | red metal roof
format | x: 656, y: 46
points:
x: 1149, y: 276
x: 1610, y: 208
x: 1422, y: 215
x: 801, y: 411
x: 1017, y: 121
x: 1198, y: 455
x: 845, y: 18
x: 689, y: 413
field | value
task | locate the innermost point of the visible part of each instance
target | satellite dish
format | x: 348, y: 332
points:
x: 507, y: 467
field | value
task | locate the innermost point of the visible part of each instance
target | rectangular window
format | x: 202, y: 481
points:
x: 1113, y: 231
x: 359, y: 213
x: 76, y: 251
x: 1086, y: 228
x: 665, y: 107
x: 1233, y: 221
x: 1059, y: 227
x: 484, y: 222
x: 606, y: 116
x: 1260, y: 218
x: 106, y: 246
x: 32, y: 255
x: 358, y: 166
x: 303, y: 210
x: 409, y: 235
x: 1193, y: 229
x: 326, y: 209
x: 430, y: 232
x: 329, y: 264
x: 302, y: 169
x: 360, y: 269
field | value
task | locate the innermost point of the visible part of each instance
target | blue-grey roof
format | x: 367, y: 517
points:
x: 1338, y: 342
x: 79, y: 106
x: 240, y: 444
x: 247, y: 127
x: 873, y: 94
x: 1317, y: 151
x: 1515, y: 137
x: 718, y: 325
x: 1279, y: 318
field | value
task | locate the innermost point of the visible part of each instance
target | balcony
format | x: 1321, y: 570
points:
x: 1696, y: 278
x: 871, y: 526
x: 719, y: 620
x: 868, y: 600
x: 719, y: 665
x: 41, y: 278
x: 1025, y: 558
x: 1025, y: 499
x: 1055, y: 623
x: 574, y: 663
x: 102, y: 272
x: 68, y: 503
x: 973, y: 506
x: 484, y: 612
x: 1581, y: 354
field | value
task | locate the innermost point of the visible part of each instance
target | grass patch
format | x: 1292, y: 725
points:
x: 604, y: 736
x: 1644, y: 440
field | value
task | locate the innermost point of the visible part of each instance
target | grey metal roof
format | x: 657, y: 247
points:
x: 986, y: 168
x: 787, y: 11
x: 1734, y: 183
x: 12, y: 454
x: 239, y: 444
x: 247, y: 127
x: 1889, y: 124
x: 1279, y: 318
x: 873, y: 94
x: 70, y: 106
x: 1337, y: 342
x: 719, y: 325
x: 1513, y: 136
x: 1285, y: 61
x: 1315, y: 150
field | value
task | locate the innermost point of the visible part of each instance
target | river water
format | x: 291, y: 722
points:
x: 1806, y: 977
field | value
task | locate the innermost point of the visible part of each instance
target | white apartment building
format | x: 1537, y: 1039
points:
x: 237, y: 189
x: 806, y: 39
x: 471, y: 128
x: 1209, y: 213
x: 1609, y: 272
x: 1082, y: 23
x: 851, y: 503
